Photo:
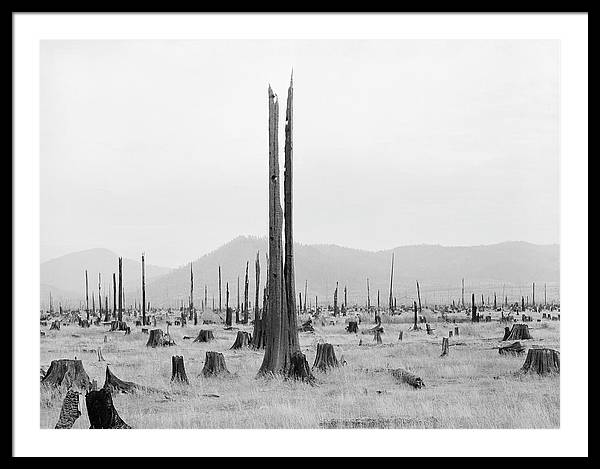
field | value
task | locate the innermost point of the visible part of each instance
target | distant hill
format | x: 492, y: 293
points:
x: 65, y: 275
x: 510, y: 267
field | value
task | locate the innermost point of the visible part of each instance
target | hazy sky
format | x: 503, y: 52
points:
x: 162, y: 146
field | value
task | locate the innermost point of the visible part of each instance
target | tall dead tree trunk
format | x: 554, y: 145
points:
x: 258, y: 334
x: 246, y: 285
x: 474, y: 315
x: 419, y: 297
x: 463, y: 293
x: 228, y: 318
x: 143, y: 291
x: 99, y: 295
x: 237, y: 314
x: 415, y: 323
x: 219, y: 289
x: 87, y: 299
x: 305, y: 294
x: 391, y: 300
x: 335, y: 300
x: 114, y: 315
x: 533, y: 294
x: 282, y: 351
x: 120, y: 316
x: 368, y: 297
x: 346, y: 298
x: 192, y: 309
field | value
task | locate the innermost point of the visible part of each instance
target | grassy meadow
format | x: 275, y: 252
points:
x: 473, y: 387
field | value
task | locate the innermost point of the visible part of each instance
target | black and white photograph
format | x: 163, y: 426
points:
x: 285, y: 222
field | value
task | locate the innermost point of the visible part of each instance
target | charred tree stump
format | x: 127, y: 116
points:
x: 242, y: 340
x: 114, y: 385
x: 102, y: 412
x: 352, y: 327
x: 543, y: 361
x: 55, y: 326
x: 300, y: 369
x: 445, y: 347
x: 204, y: 336
x: 519, y: 332
x: 506, y: 333
x: 178, y: 370
x: 214, y: 365
x: 68, y: 373
x: 408, y: 378
x: 69, y: 411
x: 513, y: 349
x: 400, y: 334
x: 325, y: 357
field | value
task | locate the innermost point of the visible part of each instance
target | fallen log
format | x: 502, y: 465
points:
x: 407, y: 377
x: 513, y: 349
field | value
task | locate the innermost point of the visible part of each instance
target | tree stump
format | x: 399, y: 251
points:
x: 68, y: 373
x: 300, y: 369
x: 543, y: 361
x: 144, y: 330
x: 519, y: 332
x: 55, y: 326
x: 377, y: 337
x: 214, y: 365
x: 307, y: 326
x: 409, y: 378
x: 113, y: 384
x: 204, y: 336
x: 178, y: 370
x: 352, y: 327
x: 445, y: 347
x: 102, y: 412
x: 449, y: 333
x: 400, y: 334
x: 69, y: 411
x: 159, y: 339
x: 429, y: 329
x: 513, y: 349
x: 100, y: 357
x: 325, y: 358
x: 127, y: 330
x: 242, y: 340
x: 456, y: 330
x: 506, y: 333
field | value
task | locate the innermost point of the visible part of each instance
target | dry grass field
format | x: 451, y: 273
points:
x: 473, y: 387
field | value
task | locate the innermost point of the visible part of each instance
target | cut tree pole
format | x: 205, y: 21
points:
x: 445, y: 347
x: 242, y: 340
x: 419, y: 297
x: 205, y: 297
x: 325, y: 358
x: 99, y: 295
x: 542, y: 361
x: 69, y: 411
x: 102, y: 412
x: 533, y: 294
x: 345, y: 297
x: 192, y: 309
x: 246, y: 299
x: 391, y: 299
x: 68, y: 373
x: 214, y: 365
x: 204, y: 336
x: 463, y: 293
x: 519, y: 332
x: 368, y: 297
x: 178, y: 370
x: 114, y: 385
x: 87, y: 299
x: 237, y: 314
x: 282, y: 350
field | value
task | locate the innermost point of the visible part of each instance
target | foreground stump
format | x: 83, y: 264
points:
x: 214, y: 365
x: 68, y: 373
x: 113, y: 384
x: 325, y: 358
x: 178, y: 370
x: 300, y: 369
x: 543, y: 361
x: 445, y: 347
x: 513, y: 349
x: 519, y: 332
x: 204, y: 336
x: 70, y: 410
x: 102, y: 412
x: 242, y: 340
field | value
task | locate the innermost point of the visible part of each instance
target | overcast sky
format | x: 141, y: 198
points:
x: 162, y: 146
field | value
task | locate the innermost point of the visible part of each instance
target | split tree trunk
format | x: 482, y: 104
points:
x: 178, y: 370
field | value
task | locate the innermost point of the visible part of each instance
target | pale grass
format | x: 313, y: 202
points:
x: 473, y: 387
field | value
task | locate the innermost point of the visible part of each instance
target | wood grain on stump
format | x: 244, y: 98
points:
x: 543, y: 361
x: 325, y: 358
x: 214, y: 365
x: 204, y: 336
x: 68, y: 373
x: 178, y: 370
x: 519, y: 332
x: 242, y: 340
